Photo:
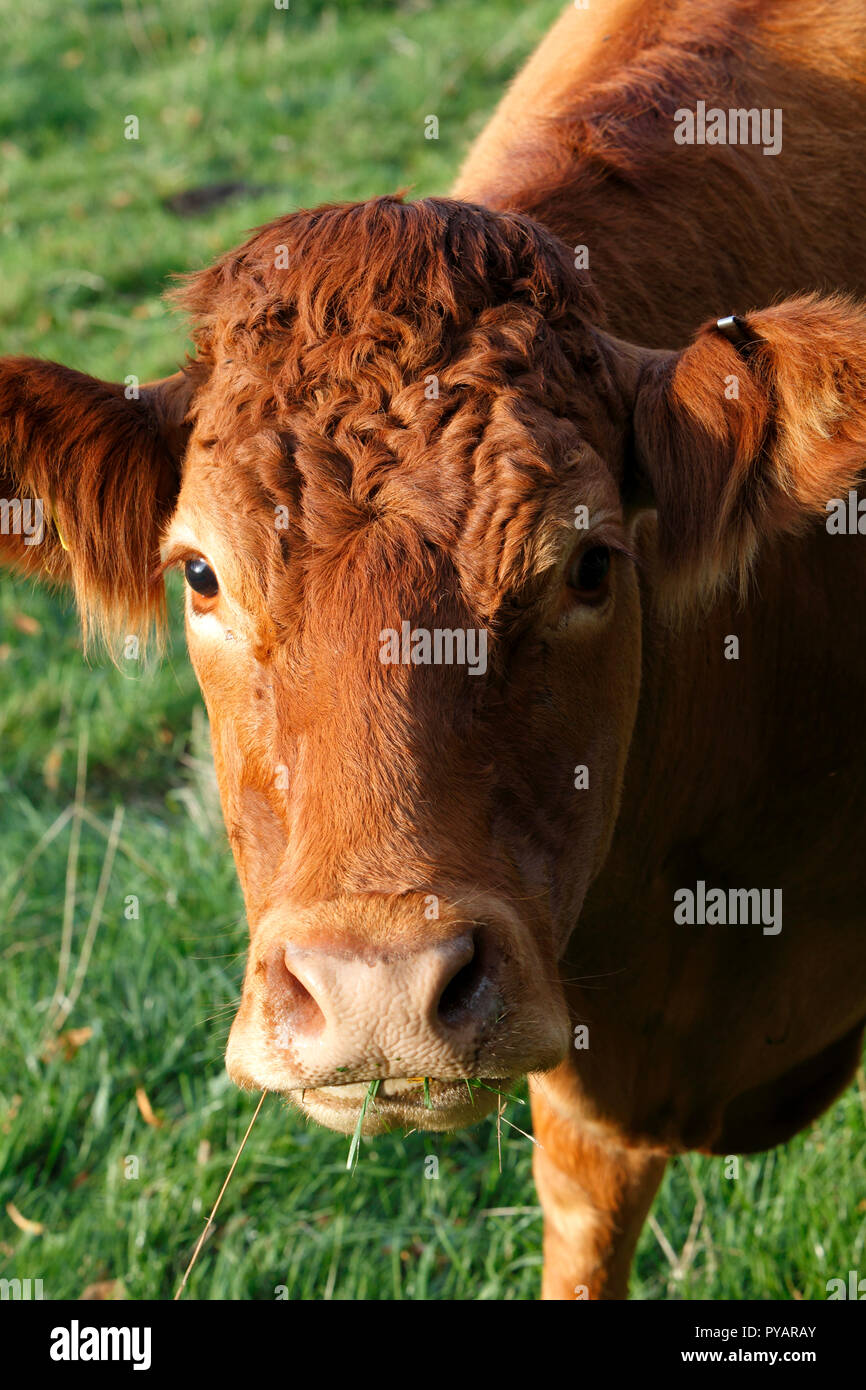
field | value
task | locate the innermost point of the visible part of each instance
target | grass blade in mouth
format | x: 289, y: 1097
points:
x: 475, y: 1081
x: 355, y: 1146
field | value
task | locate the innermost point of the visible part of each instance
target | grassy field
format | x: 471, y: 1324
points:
x: 116, y: 1139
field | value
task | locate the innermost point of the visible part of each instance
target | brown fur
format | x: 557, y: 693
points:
x: 106, y: 469
x: 584, y: 142
x: 763, y: 462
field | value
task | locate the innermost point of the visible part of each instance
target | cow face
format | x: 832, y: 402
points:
x: 412, y: 608
x: 401, y: 478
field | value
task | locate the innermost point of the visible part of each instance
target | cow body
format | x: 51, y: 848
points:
x: 718, y: 1037
x: 740, y: 772
x: 395, y: 417
x: 584, y: 141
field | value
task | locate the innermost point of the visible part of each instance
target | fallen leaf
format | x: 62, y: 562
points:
x: 11, y: 1114
x: 33, y: 1228
x: 26, y: 624
x: 109, y: 1290
x: 51, y: 769
x: 74, y: 1038
x: 146, y: 1109
x: 68, y: 1042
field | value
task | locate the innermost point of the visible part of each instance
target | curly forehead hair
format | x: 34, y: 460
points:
x: 395, y: 352
x: 359, y: 283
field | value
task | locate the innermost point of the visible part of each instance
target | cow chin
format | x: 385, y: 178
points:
x: 389, y: 1102
x: 402, y: 1103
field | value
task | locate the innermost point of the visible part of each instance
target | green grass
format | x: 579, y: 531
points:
x: 323, y: 102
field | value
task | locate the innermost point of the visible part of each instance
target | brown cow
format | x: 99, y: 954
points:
x: 407, y: 435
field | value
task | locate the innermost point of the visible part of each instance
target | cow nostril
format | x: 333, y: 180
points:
x: 461, y: 994
x: 305, y: 1013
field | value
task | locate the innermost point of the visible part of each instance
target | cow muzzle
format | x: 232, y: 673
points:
x: 440, y: 1025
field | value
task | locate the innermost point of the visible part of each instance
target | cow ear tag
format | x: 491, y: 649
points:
x: 738, y: 333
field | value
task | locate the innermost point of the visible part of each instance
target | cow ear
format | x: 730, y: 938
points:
x: 89, y: 473
x: 747, y: 434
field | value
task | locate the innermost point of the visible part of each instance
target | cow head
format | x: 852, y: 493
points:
x: 402, y: 475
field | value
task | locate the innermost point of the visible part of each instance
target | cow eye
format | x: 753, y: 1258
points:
x: 589, y: 574
x: 201, y: 578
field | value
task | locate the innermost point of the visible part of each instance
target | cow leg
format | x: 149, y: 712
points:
x: 595, y: 1196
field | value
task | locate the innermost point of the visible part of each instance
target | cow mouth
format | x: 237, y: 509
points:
x: 404, y: 1103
